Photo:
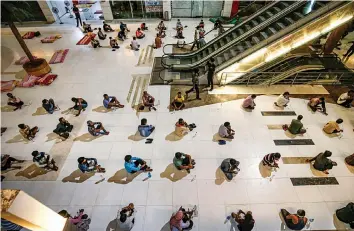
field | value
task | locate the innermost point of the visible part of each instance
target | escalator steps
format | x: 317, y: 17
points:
x: 281, y: 25
x: 300, y: 16
x: 264, y: 35
x: 255, y: 40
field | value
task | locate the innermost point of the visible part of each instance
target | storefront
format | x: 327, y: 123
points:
x: 196, y: 8
x: 136, y: 9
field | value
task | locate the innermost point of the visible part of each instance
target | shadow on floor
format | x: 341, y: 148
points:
x: 290, y: 135
x: 7, y: 108
x: 40, y: 111
x: 173, y: 174
x: 78, y: 176
x: 173, y: 137
x: 136, y: 137
x: 350, y: 168
x: 217, y: 137
x: 52, y: 136
x: 69, y: 111
x: 316, y: 172
x: 32, y: 171
x: 123, y: 177
x: 102, y: 109
x: 265, y: 171
x: 87, y: 137
x: 220, y: 176
x: 166, y: 227
x: 113, y: 226
x: 338, y: 224
x: 18, y: 139
x: 7, y: 57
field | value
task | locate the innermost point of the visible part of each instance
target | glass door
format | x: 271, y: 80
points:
x: 197, y: 8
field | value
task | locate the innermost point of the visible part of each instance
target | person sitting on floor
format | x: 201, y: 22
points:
x: 178, y: 102
x: 318, y: 104
x: 144, y: 129
x: 143, y: 26
x: 271, y: 160
x: 158, y: 41
x: 322, y: 163
x: 63, y: 128
x: 134, y: 44
x: 14, y: 101
x: 230, y: 168
x: 86, y: 27
x: 123, y: 27
x: 106, y: 27
x: 42, y: 160
x: 162, y: 33
x: 161, y: 26
x: 225, y: 131
x: 135, y: 164
x: 346, y: 214
x: 113, y: 43
x: 201, y: 23
x: 80, y: 104
x: 282, y: 100
x: 245, y: 221
x: 349, y: 160
x: 89, y: 165
x: 49, y: 106
x: 179, y: 25
x: 121, y: 35
x: 346, y: 99
x: 111, y: 101
x: 101, y: 35
x: 76, y: 220
x: 126, y: 218
x: 296, y: 127
x: 139, y: 34
x: 95, y: 43
x: 27, y: 132
x: 181, y: 220
x: 183, y: 161
x: 96, y: 128
x: 333, y: 127
x: 182, y: 127
x: 294, y: 221
x: 249, y: 103
x: 148, y: 101
x: 7, y: 161
x: 179, y: 34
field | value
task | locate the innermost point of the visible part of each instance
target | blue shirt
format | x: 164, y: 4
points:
x: 144, y: 130
x: 106, y: 101
x: 89, y: 166
x: 8, y: 225
x: 130, y: 166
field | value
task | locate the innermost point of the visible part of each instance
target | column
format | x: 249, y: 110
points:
x: 107, y: 11
x: 226, y: 12
x: 47, y: 11
x: 166, y: 6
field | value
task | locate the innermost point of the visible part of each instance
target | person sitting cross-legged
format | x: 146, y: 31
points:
x: 346, y: 99
x: 42, y: 160
x: 87, y: 27
x: 121, y: 35
x: 183, y: 161
x: 161, y: 26
x: 230, y: 168
x: 178, y: 102
x: 113, y: 43
x: 135, y: 164
x: 245, y: 221
x: 282, y: 100
x: 27, y: 132
x: 111, y: 101
x: 14, y: 101
x: 181, y: 220
x: 7, y: 161
x: 332, y: 127
x: 139, y: 34
x: 96, y: 128
x: 106, y: 27
x: 225, y: 131
x: 80, y: 105
x: 95, y: 43
x: 143, y: 26
x: 144, y: 129
x: 126, y: 218
x: 318, y: 104
x: 148, y: 101
x: 271, y: 160
x: 89, y: 165
x: 63, y: 128
x: 249, y: 103
x: 346, y: 214
x: 322, y: 163
x: 49, y: 106
x: 179, y: 34
x: 296, y: 127
x: 134, y: 44
x: 294, y: 221
x: 182, y: 127
x: 349, y: 160
x: 101, y: 35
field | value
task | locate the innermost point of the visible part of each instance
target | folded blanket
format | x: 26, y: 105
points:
x: 28, y: 81
x: 46, y: 80
x: 23, y: 60
x: 86, y: 39
x: 8, y: 85
x: 59, y: 56
x: 50, y: 39
x: 28, y: 35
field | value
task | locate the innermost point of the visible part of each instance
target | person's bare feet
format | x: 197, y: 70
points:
x: 106, y: 133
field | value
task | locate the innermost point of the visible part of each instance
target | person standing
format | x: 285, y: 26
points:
x: 195, y: 38
x: 211, y: 69
x: 77, y: 15
x: 195, y: 80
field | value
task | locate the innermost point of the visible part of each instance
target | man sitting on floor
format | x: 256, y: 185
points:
x: 322, y: 163
x: 230, y: 168
x: 95, y: 43
x: 178, y: 102
x: 111, y: 101
x: 346, y: 99
x: 49, y: 106
x: 106, y: 27
x: 183, y: 161
x: 101, y: 35
x: 43, y: 160
x: 144, y: 129
x: 14, y: 101
x: 143, y: 26
x: 113, y: 43
x: 86, y: 27
x: 179, y: 34
x: 123, y: 27
x: 271, y: 160
x: 346, y: 214
x: 161, y: 26
x: 296, y: 127
x: 333, y: 127
x: 294, y: 221
x: 63, y: 128
x: 134, y: 44
x: 96, y: 128
x: 139, y: 34
x: 126, y: 218
x: 182, y: 127
x: 27, y: 132
x: 249, y: 103
x: 225, y: 131
x: 135, y: 164
x: 121, y: 35
x: 80, y: 104
x: 148, y: 101
x: 7, y: 161
x: 282, y: 100
x: 89, y: 165
x: 245, y: 221
x: 318, y: 104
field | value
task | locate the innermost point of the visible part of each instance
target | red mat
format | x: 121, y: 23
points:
x: 59, y: 56
x: 85, y: 40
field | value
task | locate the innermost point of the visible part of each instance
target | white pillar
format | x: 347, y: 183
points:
x: 166, y: 6
x: 48, y: 14
x: 107, y: 11
x: 226, y: 12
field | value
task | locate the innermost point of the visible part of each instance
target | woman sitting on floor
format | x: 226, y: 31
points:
x: 158, y: 41
x: 322, y: 163
x: 161, y: 26
x: 95, y: 43
x: 139, y: 34
x: 27, y: 132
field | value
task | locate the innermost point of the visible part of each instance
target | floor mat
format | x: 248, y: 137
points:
x: 278, y: 113
x: 295, y: 160
x: 59, y: 56
x: 146, y: 57
x: 275, y: 126
x: 294, y: 142
x: 85, y: 40
x: 314, y: 181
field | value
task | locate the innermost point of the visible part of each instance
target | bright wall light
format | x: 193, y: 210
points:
x: 336, y: 24
x: 306, y: 39
x: 277, y: 54
x: 254, y: 55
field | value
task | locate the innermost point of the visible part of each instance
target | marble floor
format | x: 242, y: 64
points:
x: 89, y: 73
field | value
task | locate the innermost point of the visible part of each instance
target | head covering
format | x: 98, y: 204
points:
x: 175, y: 220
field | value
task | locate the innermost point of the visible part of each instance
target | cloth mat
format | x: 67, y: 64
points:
x: 50, y: 39
x: 59, y: 56
x: 23, y: 60
x: 8, y: 85
x: 86, y: 39
x: 28, y: 35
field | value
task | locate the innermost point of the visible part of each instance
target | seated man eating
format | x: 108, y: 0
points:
x: 106, y: 27
x: 282, y: 100
x: 63, y: 128
x: 43, y: 160
x: 229, y: 166
x: 178, y: 102
x: 135, y: 164
x: 96, y: 128
x: 294, y: 221
x: 183, y: 161
x: 332, y: 127
x: 113, y: 43
x: 318, y: 104
x: 89, y: 165
x: 249, y: 103
x: 161, y: 26
x: 80, y: 104
x: 27, y: 132
x: 111, y: 101
x: 144, y: 129
x: 148, y: 101
x: 49, y: 106
x: 296, y: 127
x: 346, y: 99
x: 225, y: 131
x: 271, y: 160
x: 14, y: 101
x: 139, y: 34
x: 182, y: 127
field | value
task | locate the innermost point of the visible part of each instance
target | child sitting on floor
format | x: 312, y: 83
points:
x: 134, y: 44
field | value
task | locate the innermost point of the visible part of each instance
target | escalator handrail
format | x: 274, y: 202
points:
x: 244, y: 9
x: 165, y: 65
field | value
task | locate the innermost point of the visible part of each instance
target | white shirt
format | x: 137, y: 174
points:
x: 343, y: 97
x: 135, y: 44
x: 282, y: 101
x: 223, y: 131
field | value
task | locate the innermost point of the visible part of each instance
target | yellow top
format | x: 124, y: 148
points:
x: 179, y: 100
x: 330, y: 127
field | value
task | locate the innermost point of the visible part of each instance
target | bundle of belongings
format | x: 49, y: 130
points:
x: 43, y: 80
x: 31, y: 35
x: 51, y: 39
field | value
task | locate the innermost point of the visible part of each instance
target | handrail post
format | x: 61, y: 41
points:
x: 249, y: 78
x: 294, y: 79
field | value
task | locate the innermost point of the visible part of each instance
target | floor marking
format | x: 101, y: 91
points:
x: 136, y: 92
x: 140, y: 56
x: 131, y: 88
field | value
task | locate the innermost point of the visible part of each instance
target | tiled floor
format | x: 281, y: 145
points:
x: 90, y: 73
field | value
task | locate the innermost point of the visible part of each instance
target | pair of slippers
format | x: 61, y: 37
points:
x: 149, y: 141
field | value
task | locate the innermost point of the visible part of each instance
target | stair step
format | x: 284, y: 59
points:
x: 284, y: 4
x: 277, y: 9
x: 264, y: 35
x: 254, y: 22
x: 280, y: 25
x: 289, y: 20
x: 270, y: 14
x: 255, y: 40
x: 300, y: 16
x: 272, y: 30
x: 233, y: 52
x: 262, y: 18
x: 248, y: 44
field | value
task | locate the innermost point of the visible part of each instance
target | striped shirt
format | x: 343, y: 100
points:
x: 9, y: 226
x: 269, y: 159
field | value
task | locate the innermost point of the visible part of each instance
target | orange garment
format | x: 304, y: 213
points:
x: 314, y: 101
x: 158, y: 42
x: 330, y: 127
x: 139, y: 33
x: 295, y: 219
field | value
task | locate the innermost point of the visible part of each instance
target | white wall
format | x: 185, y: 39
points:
x: 227, y: 8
